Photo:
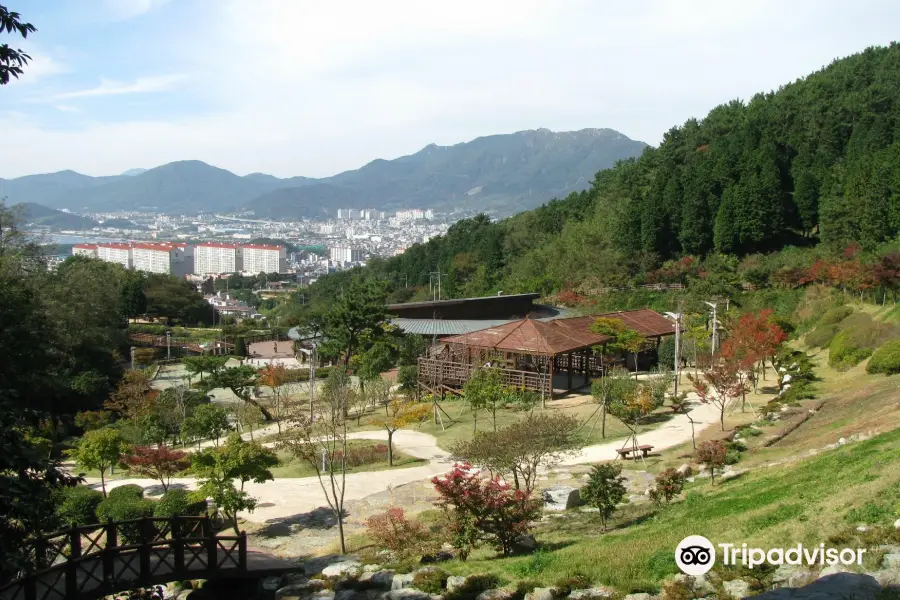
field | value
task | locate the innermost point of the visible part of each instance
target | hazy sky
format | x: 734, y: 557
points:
x: 298, y: 87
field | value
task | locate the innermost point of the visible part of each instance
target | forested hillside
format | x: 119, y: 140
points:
x: 815, y: 163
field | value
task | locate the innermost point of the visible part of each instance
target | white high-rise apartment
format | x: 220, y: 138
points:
x: 344, y: 254
x: 152, y: 258
x: 89, y: 250
x: 264, y: 259
x: 116, y: 253
x: 213, y: 258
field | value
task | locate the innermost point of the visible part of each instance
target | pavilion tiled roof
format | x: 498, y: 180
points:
x: 558, y: 336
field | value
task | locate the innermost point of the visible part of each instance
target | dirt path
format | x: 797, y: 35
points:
x: 289, y: 497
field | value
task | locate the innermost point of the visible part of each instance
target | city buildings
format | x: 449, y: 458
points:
x: 162, y: 257
x: 264, y: 259
x: 115, y: 253
x: 212, y: 258
x: 89, y: 250
x: 344, y: 254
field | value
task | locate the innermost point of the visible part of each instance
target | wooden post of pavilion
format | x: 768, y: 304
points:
x: 569, y: 370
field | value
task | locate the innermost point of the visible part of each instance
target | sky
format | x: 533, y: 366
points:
x: 302, y: 87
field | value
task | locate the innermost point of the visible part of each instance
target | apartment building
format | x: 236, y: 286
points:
x: 116, y: 253
x: 259, y: 258
x: 89, y: 250
x: 213, y: 258
x: 345, y: 254
x: 162, y: 257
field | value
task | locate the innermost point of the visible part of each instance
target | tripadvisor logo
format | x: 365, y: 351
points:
x: 695, y: 555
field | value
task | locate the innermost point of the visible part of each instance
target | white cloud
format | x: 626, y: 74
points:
x: 313, y: 88
x: 122, y: 10
x: 141, y: 85
x: 40, y: 67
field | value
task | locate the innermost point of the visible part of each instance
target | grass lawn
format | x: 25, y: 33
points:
x: 293, y: 467
x: 817, y: 500
x: 461, y: 421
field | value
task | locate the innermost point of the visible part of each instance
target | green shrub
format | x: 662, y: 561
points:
x: 430, y: 580
x: 126, y: 508
x: 177, y: 503
x: 821, y: 336
x: 574, y: 581
x: 835, y: 315
x: 78, y: 505
x: 845, y: 351
x: 886, y: 359
x: 539, y: 561
x: 666, y: 352
x: 131, y: 490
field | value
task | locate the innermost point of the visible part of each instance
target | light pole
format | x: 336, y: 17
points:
x: 715, y: 325
x: 168, y: 346
x: 677, y: 318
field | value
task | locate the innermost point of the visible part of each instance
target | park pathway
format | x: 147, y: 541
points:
x: 288, y: 497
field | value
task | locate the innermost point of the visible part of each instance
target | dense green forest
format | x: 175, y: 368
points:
x: 813, y: 166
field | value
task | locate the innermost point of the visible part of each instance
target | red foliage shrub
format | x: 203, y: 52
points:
x: 498, y: 512
x: 159, y: 463
x: 393, y: 531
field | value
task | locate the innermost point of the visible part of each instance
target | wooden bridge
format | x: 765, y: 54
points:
x: 93, y: 561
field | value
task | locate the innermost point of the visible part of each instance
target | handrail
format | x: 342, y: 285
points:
x: 115, y: 567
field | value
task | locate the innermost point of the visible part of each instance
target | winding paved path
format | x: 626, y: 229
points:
x: 287, y: 497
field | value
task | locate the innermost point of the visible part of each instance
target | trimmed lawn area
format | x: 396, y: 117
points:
x: 293, y: 467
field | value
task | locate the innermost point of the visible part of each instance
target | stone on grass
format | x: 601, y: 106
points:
x: 791, y: 576
x: 862, y: 528
x: 589, y: 593
x: 842, y: 441
x: 455, y: 582
x: 407, y: 594
x: 495, y: 594
x: 540, y: 594
x: 737, y: 588
x: 891, y: 561
x: 561, y: 497
x: 380, y: 579
x: 839, y: 586
x: 832, y: 570
x: 897, y: 524
x: 685, y: 470
x: 339, y: 569
x: 886, y: 577
x: 401, y: 581
x: 301, y: 590
x: 638, y: 596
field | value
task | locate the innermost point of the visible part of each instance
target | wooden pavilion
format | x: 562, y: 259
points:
x: 534, y: 354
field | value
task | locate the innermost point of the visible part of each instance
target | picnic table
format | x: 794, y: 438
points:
x: 644, y: 450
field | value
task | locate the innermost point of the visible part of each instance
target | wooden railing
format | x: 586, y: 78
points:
x: 435, y: 372
x: 97, y: 560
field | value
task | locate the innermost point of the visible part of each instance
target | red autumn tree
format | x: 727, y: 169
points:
x: 752, y: 339
x: 499, y: 513
x: 158, y: 463
x: 712, y: 454
x: 718, y: 384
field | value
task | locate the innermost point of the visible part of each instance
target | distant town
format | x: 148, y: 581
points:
x: 200, y: 246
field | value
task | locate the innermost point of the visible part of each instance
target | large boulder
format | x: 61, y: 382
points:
x: 591, y: 593
x: 638, y: 596
x: 736, y: 588
x: 379, y: 579
x: 495, y: 594
x: 407, y: 594
x: 541, y: 594
x: 454, y: 582
x: 341, y: 569
x: 791, y: 576
x: 561, y: 497
x: 839, y: 586
x: 685, y: 470
x: 401, y: 581
x: 525, y: 543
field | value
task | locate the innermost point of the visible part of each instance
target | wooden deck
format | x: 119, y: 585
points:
x: 437, y: 375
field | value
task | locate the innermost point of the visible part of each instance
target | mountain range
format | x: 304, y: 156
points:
x: 501, y: 174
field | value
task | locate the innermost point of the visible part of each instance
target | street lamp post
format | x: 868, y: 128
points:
x: 676, y: 317
x: 168, y: 346
x: 715, y: 326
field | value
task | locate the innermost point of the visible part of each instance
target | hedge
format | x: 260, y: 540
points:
x: 126, y: 508
x: 835, y: 315
x: 821, y: 336
x: 176, y: 503
x: 78, y: 505
x: 857, y: 339
x: 131, y: 490
x: 886, y: 359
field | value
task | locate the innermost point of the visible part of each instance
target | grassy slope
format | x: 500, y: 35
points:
x: 769, y: 507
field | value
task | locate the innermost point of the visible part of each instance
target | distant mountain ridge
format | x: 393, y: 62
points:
x: 42, y: 216
x: 503, y: 173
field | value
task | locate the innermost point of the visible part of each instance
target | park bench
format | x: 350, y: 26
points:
x: 644, y: 450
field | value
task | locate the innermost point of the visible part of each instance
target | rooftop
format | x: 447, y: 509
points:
x: 455, y: 301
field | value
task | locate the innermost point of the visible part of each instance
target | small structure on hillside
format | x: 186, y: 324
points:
x: 546, y: 356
